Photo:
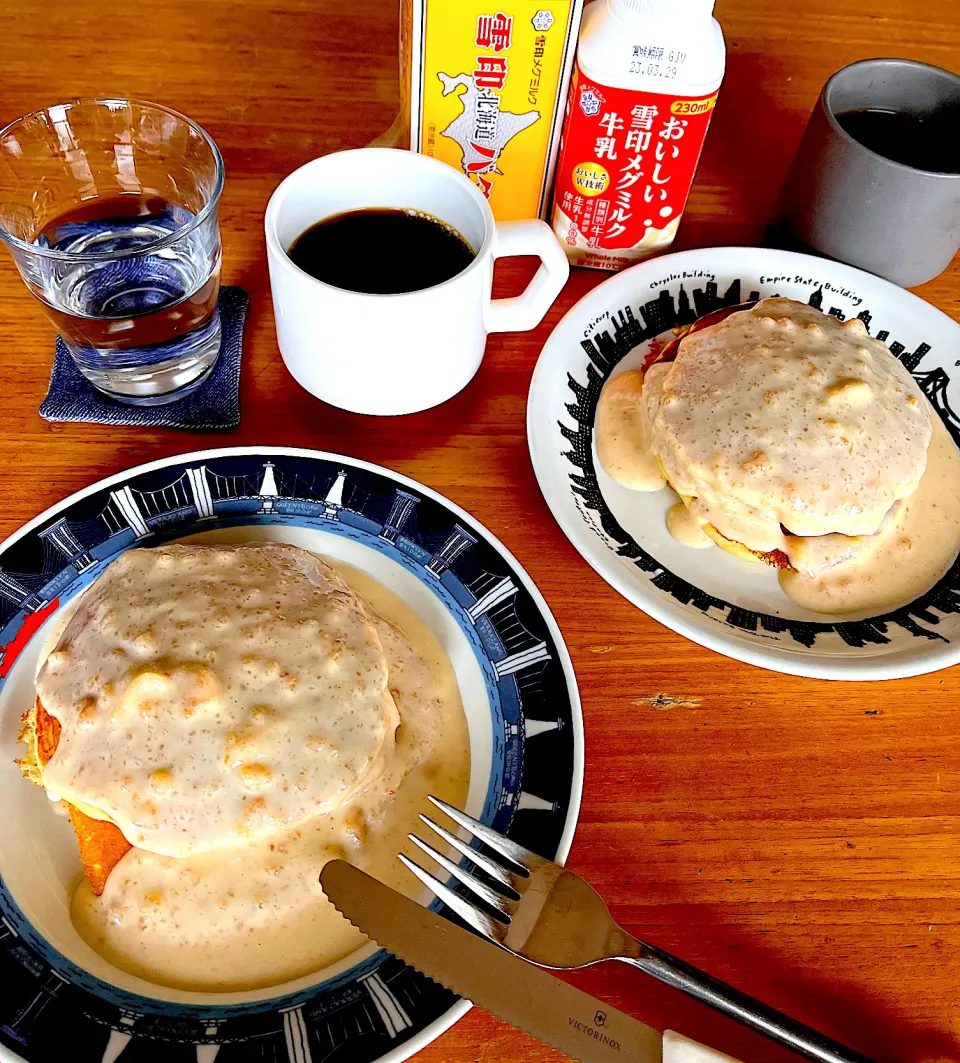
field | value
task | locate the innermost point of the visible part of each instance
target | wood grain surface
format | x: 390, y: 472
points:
x: 800, y: 839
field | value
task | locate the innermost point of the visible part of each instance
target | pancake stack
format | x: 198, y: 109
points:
x: 208, y: 697
x: 791, y: 437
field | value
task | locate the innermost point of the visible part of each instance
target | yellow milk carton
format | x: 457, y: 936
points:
x: 485, y: 86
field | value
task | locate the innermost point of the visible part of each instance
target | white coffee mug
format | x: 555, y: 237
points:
x: 393, y: 354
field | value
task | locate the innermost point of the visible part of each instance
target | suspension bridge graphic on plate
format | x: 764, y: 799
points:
x: 375, y: 1014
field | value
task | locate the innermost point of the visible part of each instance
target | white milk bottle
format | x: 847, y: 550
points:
x: 642, y: 95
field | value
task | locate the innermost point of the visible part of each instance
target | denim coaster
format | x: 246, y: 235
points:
x: 215, y: 406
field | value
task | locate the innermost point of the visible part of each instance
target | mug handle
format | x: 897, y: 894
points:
x: 524, y: 312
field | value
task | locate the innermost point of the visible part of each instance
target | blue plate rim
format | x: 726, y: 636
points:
x: 424, y: 1036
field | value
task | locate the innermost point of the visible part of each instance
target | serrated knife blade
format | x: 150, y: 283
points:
x: 524, y: 995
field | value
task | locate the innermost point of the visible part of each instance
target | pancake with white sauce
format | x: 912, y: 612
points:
x: 258, y: 655
x: 213, y: 695
x: 798, y: 440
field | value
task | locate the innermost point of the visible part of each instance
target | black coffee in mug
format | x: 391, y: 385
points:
x: 381, y: 251
x: 889, y: 209
x: 925, y: 142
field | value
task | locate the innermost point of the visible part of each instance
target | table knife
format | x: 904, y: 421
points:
x: 524, y: 995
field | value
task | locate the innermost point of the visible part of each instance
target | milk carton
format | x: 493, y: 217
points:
x: 642, y: 96
x: 485, y: 86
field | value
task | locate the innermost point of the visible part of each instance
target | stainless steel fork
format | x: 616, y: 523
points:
x: 538, y: 910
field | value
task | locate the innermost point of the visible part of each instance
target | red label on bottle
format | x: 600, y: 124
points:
x: 626, y: 165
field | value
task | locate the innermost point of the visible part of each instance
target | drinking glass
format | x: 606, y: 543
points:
x: 109, y: 208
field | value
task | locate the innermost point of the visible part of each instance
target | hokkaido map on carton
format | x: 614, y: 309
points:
x: 488, y: 85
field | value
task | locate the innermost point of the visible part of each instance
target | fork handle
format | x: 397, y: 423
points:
x: 724, y: 998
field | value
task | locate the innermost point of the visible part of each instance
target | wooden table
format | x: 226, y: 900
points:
x: 798, y: 838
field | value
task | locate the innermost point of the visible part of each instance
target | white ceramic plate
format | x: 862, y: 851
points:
x: 58, y: 999
x: 729, y: 605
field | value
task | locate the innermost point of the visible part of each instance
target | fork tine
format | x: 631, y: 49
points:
x: 479, y: 920
x: 492, y: 868
x: 523, y: 858
x: 492, y: 897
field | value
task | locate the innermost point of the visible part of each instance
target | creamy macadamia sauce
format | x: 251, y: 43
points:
x: 906, y: 558
x: 684, y: 528
x: 787, y: 430
x: 624, y: 436
x: 248, y: 912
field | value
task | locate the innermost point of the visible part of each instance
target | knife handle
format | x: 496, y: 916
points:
x: 744, y: 1009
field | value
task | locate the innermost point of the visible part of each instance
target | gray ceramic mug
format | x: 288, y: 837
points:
x: 850, y: 203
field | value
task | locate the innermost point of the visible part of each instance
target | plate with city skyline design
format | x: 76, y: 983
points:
x: 730, y: 605
x: 60, y: 1000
